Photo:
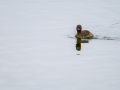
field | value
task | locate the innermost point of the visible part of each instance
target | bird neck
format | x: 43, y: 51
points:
x: 78, y: 31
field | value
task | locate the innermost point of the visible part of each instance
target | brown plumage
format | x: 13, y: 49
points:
x: 84, y: 34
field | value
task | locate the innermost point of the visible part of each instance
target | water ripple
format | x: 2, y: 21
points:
x: 99, y: 37
x: 106, y: 38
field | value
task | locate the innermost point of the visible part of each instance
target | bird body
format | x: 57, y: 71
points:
x: 83, y: 34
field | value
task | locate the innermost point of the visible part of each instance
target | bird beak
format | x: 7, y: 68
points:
x: 78, y: 29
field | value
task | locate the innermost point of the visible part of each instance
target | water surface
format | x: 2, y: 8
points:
x: 38, y: 47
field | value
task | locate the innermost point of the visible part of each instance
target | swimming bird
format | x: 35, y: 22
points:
x: 83, y: 34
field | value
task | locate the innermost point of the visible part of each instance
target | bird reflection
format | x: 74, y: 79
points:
x: 78, y: 43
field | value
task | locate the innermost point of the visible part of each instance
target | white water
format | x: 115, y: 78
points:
x: 37, y: 54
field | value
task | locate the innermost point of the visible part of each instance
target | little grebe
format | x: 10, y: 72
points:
x: 84, y: 34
